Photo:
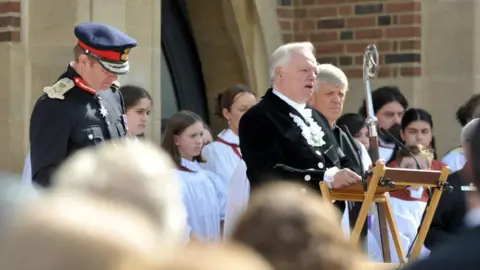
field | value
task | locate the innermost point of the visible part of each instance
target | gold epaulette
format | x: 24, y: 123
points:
x: 58, y: 90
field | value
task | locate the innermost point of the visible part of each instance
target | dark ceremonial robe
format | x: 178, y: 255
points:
x: 70, y: 118
x: 274, y: 148
x: 351, y: 148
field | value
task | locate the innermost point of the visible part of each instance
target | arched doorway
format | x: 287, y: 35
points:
x: 183, y: 87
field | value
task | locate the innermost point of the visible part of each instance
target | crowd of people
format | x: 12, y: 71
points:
x: 97, y: 195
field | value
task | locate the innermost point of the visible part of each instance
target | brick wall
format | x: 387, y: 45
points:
x: 341, y: 29
x: 9, y: 20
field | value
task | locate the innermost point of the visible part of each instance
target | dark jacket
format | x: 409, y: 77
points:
x: 59, y: 127
x: 273, y: 146
x: 449, y: 216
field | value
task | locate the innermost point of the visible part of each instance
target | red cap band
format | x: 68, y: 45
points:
x: 108, y: 55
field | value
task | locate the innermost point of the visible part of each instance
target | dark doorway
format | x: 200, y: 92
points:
x: 182, y: 79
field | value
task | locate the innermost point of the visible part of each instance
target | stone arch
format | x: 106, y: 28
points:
x: 234, y: 42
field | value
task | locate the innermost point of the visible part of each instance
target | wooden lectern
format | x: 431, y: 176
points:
x: 382, y: 181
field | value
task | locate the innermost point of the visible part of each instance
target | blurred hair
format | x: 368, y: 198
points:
x: 201, y: 257
x: 74, y: 232
x: 293, y: 229
x: 131, y: 173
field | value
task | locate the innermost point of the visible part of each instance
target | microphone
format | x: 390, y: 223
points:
x: 401, y: 145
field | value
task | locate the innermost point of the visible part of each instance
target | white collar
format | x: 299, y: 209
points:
x: 382, y: 143
x: 191, y: 165
x: 229, y: 136
x: 472, y: 218
x: 297, y: 106
x: 416, y: 193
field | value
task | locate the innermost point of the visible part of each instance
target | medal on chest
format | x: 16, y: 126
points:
x: 125, y: 124
x: 103, y: 109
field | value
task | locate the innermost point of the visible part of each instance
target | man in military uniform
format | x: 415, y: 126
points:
x: 83, y: 108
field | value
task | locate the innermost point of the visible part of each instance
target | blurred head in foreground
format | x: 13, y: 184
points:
x: 205, y: 257
x: 68, y: 231
x: 295, y: 230
x: 130, y: 173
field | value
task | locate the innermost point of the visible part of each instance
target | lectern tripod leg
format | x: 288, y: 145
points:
x: 378, y: 172
x: 393, y: 229
x: 325, y: 190
x: 383, y: 230
x: 429, y: 213
x: 362, y: 216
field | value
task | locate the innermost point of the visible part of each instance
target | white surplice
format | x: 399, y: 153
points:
x: 237, y: 199
x: 27, y: 171
x: 204, y: 196
x: 221, y: 158
x: 373, y: 245
x: 408, y: 216
x: 455, y: 159
x: 385, y: 150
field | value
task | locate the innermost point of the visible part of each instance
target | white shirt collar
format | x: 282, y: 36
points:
x: 229, y: 136
x: 416, y: 193
x: 297, y: 106
x: 384, y: 144
x: 191, y: 165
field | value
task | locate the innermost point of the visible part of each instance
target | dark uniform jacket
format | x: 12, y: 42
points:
x: 70, y: 116
x: 273, y: 146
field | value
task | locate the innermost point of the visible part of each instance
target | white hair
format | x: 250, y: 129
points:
x: 281, y: 56
x: 133, y: 173
x: 332, y: 75
x: 468, y: 131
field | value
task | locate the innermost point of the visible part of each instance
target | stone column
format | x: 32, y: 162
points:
x: 449, y: 55
x: 234, y: 44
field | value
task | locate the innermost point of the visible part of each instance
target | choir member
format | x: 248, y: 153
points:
x: 223, y: 155
x: 204, y: 193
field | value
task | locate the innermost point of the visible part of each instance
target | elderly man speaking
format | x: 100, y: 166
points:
x: 282, y: 137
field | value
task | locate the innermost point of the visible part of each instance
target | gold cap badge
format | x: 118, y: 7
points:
x: 124, y: 56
